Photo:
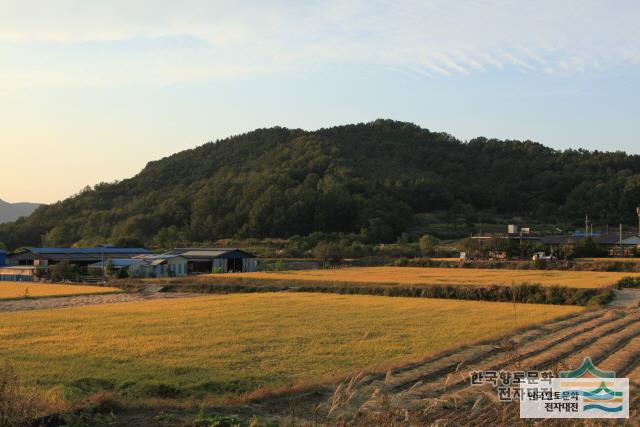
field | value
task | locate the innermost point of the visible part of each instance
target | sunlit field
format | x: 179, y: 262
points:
x: 225, y: 345
x: 10, y: 290
x: 445, y: 276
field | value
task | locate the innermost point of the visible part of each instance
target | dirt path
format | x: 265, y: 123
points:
x: 81, y: 300
x: 626, y: 298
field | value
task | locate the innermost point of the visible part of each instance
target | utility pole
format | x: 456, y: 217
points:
x: 586, y: 225
x: 621, y: 249
x: 103, y: 266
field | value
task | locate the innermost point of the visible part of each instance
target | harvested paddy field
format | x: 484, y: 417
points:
x: 11, y: 290
x: 229, y: 345
x: 439, y: 387
x: 442, y: 276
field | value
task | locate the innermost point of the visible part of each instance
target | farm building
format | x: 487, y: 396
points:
x: 207, y: 260
x: 132, y: 265
x: 149, y: 265
x: 77, y: 256
x: 614, y: 243
x: 185, y: 261
x: 16, y: 274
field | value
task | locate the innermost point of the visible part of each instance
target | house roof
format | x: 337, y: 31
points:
x: 207, y: 253
x: 633, y: 240
x: 76, y: 254
x: 604, y: 239
x: 559, y: 240
x: 95, y: 250
x: 117, y: 262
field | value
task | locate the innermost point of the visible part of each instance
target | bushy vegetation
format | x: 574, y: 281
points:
x: 629, y: 282
x: 522, y: 293
x: 18, y: 406
x: 65, y: 272
x: 367, y: 179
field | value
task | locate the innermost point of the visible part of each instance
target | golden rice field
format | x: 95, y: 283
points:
x: 218, y: 346
x: 444, y: 276
x: 11, y: 290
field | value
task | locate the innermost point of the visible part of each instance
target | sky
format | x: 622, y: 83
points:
x: 90, y: 91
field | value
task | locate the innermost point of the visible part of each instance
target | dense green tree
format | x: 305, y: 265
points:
x: 428, y: 244
x: 369, y: 179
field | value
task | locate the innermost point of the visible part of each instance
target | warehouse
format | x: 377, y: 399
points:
x: 182, y: 262
x: 148, y: 265
x: 43, y: 257
x: 208, y: 260
x: 17, y: 274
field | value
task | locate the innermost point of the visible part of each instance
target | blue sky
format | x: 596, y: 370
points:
x: 91, y: 91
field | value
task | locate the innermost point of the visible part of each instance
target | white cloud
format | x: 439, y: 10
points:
x: 94, y: 42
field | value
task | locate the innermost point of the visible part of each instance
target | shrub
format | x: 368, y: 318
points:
x: 628, y: 282
x: 17, y: 406
x: 328, y: 253
x: 63, y: 271
x: 401, y: 262
x: 122, y: 273
x: 428, y: 244
x: 523, y: 293
x: 601, y: 299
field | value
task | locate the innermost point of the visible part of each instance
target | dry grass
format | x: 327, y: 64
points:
x: 443, y: 276
x: 11, y: 290
x: 227, y: 345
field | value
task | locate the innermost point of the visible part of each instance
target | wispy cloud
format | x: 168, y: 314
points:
x: 426, y: 39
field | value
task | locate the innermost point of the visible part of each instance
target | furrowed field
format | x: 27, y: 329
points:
x: 444, y: 276
x: 10, y: 290
x: 227, y: 345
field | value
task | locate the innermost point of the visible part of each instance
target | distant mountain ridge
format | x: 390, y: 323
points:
x: 367, y: 178
x: 12, y: 211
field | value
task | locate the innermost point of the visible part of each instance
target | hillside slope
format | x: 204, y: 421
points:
x: 12, y: 211
x: 368, y: 178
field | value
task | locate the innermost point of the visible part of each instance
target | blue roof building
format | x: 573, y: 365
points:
x: 77, y: 256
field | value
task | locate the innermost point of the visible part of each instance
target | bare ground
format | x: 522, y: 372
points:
x: 27, y: 304
x: 626, y: 298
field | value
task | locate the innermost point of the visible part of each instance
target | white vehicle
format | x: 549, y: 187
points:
x: 540, y: 256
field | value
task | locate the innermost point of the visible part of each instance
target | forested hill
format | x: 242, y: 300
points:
x: 365, y: 178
